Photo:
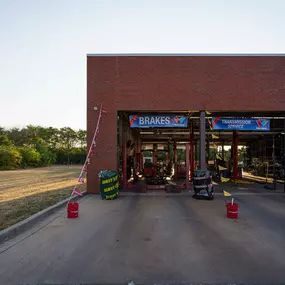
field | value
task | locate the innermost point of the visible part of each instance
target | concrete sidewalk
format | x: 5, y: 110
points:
x: 152, y: 239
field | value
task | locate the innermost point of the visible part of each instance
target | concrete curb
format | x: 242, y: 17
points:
x: 27, y: 223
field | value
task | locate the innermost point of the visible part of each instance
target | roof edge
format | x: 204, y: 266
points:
x: 185, y: 54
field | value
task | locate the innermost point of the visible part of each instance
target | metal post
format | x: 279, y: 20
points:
x: 266, y: 172
x: 125, y: 166
x: 155, y: 159
x: 284, y: 156
x: 175, y: 159
x: 192, y: 153
x: 141, y: 157
x: 187, y: 165
x: 273, y: 157
x: 235, y: 157
x: 168, y: 157
x: 202, y: 141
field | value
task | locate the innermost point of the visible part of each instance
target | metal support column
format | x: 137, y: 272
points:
x: 175, y: 159
x: 125, y: 181
x: 202, y: 141
x: 187, y: 165
x: 141, y: 158
x: 138, y: 156
x: 192, y: 153
x: 273, y: 157
x: 155, y: 159
x: 168, y: 157
x: 235, y: 156
x: 284, y: 156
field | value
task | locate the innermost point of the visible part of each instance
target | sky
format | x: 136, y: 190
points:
x: 43, y: 45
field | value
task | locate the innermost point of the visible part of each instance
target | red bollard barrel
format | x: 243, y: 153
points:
x: 72, y: 210
x: 232, y: 210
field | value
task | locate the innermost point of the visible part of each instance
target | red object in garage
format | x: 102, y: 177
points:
x: 148, y: 171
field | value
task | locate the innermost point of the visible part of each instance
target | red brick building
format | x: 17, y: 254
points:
x: 173, y: 83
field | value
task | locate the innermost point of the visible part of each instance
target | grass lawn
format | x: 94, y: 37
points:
x: 26, y: 192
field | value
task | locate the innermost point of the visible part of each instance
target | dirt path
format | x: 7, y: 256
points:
x: 25, y: 192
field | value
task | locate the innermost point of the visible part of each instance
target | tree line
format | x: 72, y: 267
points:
x: 35, y: 146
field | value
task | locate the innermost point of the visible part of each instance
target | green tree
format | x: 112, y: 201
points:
x: 81, y: 137
x: 17, y: 137
x: 78, y: 155
x: 50, y: 144
x: 31, y: 134
x: 50, y: 136
x: 2, y: 131
x: 48, y: 157
x: 4, y: 140
x: 242, y: 155
x: 30, y: 157
x: 10, y: 157
x: 68, y: 140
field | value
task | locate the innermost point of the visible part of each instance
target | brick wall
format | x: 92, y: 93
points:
x: 216, y: 83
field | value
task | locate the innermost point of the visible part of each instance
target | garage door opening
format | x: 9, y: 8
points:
x: 161, y: 150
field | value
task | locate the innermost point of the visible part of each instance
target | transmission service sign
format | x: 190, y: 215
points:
x: 158, y: 121
x: 240, y: 124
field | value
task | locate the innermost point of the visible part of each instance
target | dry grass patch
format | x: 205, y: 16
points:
x: 26, y: 192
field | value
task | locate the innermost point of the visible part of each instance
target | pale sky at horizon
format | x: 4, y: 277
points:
x: 44, y: 45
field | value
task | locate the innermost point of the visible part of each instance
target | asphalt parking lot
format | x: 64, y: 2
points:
x: 153, y: 239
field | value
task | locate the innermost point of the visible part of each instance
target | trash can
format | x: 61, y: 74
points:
x: 109, y: 184
x: 203, y: 185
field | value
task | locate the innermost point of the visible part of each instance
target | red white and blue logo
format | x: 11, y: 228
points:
x: 262, y: 122
x: 179, y: 120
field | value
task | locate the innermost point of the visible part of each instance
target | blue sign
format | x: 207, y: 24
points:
x: 158, y: 121
x: 240, y: 124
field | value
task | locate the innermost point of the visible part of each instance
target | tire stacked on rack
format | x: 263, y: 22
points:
x: 109, y: 184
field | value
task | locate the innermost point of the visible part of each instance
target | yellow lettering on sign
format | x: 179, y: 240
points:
x: 112, y: 187
x: 111, y: 196
x: 106, y: 181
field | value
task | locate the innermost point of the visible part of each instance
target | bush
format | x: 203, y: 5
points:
x: 48, y: 157
x: 4, y: 141
x: 10, y: 157
x: 75, y: 156
x: 30, y: 157
x: 78, y: 155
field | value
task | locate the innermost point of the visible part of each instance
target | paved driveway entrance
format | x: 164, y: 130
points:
x: 153, y: 239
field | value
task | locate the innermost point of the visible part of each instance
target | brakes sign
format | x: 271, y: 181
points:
x: 158, y: 121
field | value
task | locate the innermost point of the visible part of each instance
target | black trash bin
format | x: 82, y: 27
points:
x: 203, y: 184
